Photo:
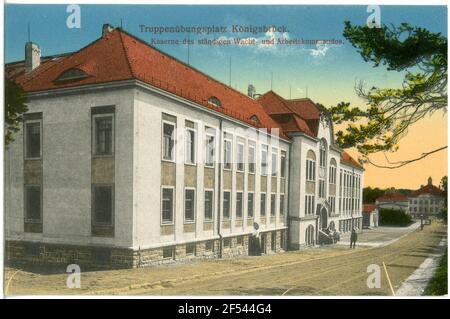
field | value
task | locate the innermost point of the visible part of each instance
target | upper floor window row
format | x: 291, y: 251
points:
x: 190, y: 141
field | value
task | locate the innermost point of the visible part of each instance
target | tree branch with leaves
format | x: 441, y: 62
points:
x: 15, y: 106
x: 388, y: 113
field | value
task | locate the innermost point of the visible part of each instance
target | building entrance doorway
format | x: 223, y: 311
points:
x: 323, y: 218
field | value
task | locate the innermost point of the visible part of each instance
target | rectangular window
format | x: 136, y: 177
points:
x: 103, y: 205
x: 273, y: 204
x: 239, y: 205
x: 33, y: 204
x: 310, y: 170
x: 227, y: 242
x: 264, y: 160
x: 210, y: 147
x: 190, y: 249
x: 309, y: 204
x: 321, y: 188
x: 331, y: 200
x: 168, y: 253
x: 227, y: 154
x: 240, y: 240
x: 281, y: 204
x: 189, y: 205
x: 274, y: 164
x: 226, y: 205
x: 190, y: 146
x: 209, y: 204
x: 251, y: 159
x: 283, y: 165
x: 168, y: 141
x: 240, y: 157
x: 33, y: 139
x: 250, y: 205
x: 167, y: 205
x: 103, y: 130
x: 209, y: 245
x: 263, y: 205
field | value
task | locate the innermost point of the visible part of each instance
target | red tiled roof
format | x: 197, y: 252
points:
x: 428, y: 189
x: 120, y: 56
x: 347, y: 159
x: 368, y: 208
x: 293, y: 115
x: 299, y: 115
x: 306, y: 108
x: 392, y: 196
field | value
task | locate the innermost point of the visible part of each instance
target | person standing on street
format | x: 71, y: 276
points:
x: 353, y: 238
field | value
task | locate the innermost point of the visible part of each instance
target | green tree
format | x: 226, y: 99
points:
x: 371, y: 194
x: 422, y: 56
x: 15, y: 106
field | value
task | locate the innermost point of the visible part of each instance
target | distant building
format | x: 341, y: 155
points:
x: 370, y: 216
x: 393, y: 199
x: 427, y: 200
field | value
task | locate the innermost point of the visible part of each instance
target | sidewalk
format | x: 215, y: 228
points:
x: 416, y: 284
x: 380, y: 236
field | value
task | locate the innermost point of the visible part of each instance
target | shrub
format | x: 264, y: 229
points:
x: 394, y: 217
x: 438, y: 284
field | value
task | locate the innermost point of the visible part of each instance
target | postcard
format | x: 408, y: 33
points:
x: 244, y: 150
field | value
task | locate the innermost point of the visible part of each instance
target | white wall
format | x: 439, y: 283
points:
x: 149, y: 107
x: 67, y: 170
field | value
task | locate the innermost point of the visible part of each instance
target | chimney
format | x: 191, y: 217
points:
x: 107, y: 28
x: 251, y: 91
x: 32, y: 56
x: 430, y: 181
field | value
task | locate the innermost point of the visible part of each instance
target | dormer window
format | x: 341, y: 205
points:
x: 214, y: 101
x: 255, y: 119
x: 72, y: 74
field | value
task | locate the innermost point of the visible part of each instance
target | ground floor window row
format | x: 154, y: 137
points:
x: 271, y: 241
x: 102, y: 208
x: 168, y: 205
x: 42, y: 253
x: 347, y: 225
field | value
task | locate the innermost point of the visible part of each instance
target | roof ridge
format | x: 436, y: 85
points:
x: 127, y: 58
x: 283, y: 101
x: 185, y: 64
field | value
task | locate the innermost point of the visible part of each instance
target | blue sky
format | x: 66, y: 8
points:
x: 328, y: 76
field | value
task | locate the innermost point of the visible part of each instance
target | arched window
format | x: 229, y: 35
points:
x: 72, y: 74
x: 310, y: 166
x: 215, y: 101
x: 309, y: 235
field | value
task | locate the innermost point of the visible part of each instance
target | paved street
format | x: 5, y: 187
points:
x: 380, y: 236
x: 335, y: 270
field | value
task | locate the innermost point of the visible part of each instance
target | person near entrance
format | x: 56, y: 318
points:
x: 353, y: 238
x: 255, y: 244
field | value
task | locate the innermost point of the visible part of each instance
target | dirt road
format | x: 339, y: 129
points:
x: 322, y: 271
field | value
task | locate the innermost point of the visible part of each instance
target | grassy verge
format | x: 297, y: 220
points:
x: 438, y: 284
